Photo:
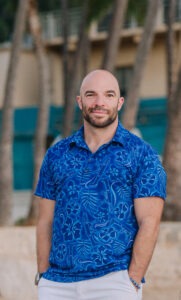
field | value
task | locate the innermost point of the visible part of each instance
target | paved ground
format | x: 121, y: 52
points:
x: 168, y: 261
x: 21, y: 202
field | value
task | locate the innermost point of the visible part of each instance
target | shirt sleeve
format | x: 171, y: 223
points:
x: 46, y: 186
x: 150, y: 180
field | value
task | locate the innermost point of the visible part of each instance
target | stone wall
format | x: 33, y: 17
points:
x: 18, y: 264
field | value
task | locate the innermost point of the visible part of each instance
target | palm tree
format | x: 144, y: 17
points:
x: 113, y: 40
x: 7, y: 117
x: 90, y: 10
x: 65, y: 22
x: 171, y: 157
x: 44, y: 101
x: 132, y: 101
x: 70, y: 101
x: 170, y: 47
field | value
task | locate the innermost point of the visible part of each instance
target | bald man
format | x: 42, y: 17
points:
x: 101, y: 193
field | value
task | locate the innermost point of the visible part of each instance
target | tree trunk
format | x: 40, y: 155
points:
x: 132, y: 101
x: 70, y: 103
x: 172, y: 157
x: 85, y: 67
x: 44, y: 101
x: 170, y: 46
x: 6, y: 184
x: 65, y: 22
x: 113, y: 40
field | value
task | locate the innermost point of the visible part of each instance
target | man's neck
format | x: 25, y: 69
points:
x: 96, y: 137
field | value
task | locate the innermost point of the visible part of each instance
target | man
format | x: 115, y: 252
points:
x: 101, y: 200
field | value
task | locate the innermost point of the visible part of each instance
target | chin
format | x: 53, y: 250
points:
x: 101, y: 124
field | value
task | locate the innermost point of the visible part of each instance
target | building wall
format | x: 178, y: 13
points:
x: 154, y: 79
x: 56, y: 78
x: 27, y: 83
x: 26, y: 87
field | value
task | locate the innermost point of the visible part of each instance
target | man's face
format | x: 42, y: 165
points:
x: 100, y: 99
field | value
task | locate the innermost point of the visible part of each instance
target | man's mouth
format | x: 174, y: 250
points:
x: 99, y: 111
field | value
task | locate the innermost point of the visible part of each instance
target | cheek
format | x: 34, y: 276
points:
x: 85, y: 107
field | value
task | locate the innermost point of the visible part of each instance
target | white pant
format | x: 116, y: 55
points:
x: 113, y: 286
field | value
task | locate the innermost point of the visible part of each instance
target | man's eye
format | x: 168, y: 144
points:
x: 110, y: 95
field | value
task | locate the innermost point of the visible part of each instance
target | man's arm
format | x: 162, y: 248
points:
x: 44, y: 233
x: 148, y: 213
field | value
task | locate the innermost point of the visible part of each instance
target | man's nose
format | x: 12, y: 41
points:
x: 99, y: 100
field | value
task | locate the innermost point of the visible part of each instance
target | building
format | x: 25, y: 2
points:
x: 152, y: 113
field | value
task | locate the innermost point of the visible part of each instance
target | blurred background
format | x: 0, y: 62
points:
x: 46, y: 48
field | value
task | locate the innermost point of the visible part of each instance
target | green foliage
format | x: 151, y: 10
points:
x: 7, y: 14
x: 98, y: 8
x: 138, y: 10
x: 48, y: 5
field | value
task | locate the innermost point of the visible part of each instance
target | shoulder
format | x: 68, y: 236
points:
x: 137, y: 144
x: 60, y: 147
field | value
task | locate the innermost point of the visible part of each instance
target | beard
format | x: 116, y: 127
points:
x: 98, y: 122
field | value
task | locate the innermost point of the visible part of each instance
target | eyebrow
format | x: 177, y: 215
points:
x: 111, y: 91
x: 89, y: 91
x: 92, y: 91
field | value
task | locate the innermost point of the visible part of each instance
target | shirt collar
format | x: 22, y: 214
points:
x: 78, y: 138
x: 120, y: 136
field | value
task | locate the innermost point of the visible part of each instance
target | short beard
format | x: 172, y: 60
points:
x: 96, y: 124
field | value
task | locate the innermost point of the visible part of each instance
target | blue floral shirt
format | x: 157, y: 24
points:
x: 94, y: 220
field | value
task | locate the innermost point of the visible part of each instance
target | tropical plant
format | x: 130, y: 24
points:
x: 171, y: 156
x: 6, y: 180
x: 114, y: 33
x: 44, y: 101
x: 132, y: 101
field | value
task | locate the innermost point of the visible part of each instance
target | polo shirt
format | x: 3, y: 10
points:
x: 94, y: 223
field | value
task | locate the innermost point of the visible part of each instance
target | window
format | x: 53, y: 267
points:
x: 177, y: 13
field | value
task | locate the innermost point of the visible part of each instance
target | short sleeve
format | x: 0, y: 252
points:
x: 46, y: 187
x: 150, y: 179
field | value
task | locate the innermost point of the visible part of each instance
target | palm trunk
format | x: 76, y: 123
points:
x: 70, y: 103
x: 132, y: 101
x: 65, y: 22
x: 172, y: 158
x: 44, y: 101
x: 170, y: 46
x: 7, y: 119
x: 113, y: 41
x: 85, y: 67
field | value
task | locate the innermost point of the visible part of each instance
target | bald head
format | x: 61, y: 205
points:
x: 100, y: 78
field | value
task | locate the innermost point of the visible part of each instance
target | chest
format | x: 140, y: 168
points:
x: 81, y: 167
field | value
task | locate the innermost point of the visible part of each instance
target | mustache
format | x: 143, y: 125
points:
x: 97, y: 107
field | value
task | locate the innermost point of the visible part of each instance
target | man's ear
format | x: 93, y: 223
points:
x: 121, y: 102
x: 79, y: 101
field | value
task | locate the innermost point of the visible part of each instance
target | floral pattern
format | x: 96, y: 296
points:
x: 94, y: 224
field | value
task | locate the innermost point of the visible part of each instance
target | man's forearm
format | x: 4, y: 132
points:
x: 44, y: 234
x: 143, y: 249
